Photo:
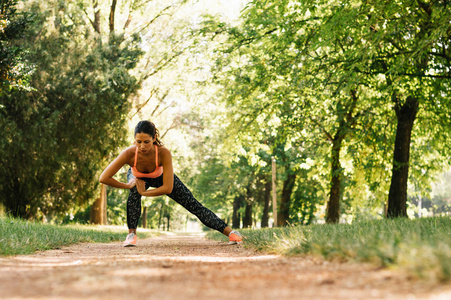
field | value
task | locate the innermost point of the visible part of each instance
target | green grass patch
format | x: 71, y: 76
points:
x: 25, y: 237
x: 420, y: 246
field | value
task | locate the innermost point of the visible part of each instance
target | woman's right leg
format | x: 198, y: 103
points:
x: 133, y: 214
x: 133, y: 206
x: 133, y: 209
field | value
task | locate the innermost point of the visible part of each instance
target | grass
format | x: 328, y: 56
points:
x: 25, y: 237
x: 421, y: 247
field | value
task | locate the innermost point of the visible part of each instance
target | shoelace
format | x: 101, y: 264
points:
x: 236, y: 232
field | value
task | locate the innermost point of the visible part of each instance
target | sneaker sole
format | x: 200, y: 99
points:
x: 129, y: 245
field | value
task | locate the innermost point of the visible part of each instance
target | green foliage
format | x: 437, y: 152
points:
x: 57, y: 134
x: 305, y: 200
x: 274, y: 77
x: 420, y: 247
x: 117, y: 203
x: 13, y: 71
x: 286, y: 74
x: 316, y: 74
x: 26, y: 237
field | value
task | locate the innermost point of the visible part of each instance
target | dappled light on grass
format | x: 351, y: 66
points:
x: 26, y: 237
x: 420, y: 246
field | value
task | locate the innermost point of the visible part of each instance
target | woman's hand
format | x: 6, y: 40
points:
x: 141, y: 186
x: 132, y: 183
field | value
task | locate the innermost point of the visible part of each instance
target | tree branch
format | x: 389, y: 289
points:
x: 163, y: 65
x: 87, y: 16
x: 139, y: 107
x: 153, y: 20
x: 328, y: 135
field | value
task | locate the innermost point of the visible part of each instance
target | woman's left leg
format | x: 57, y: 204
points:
x: 182, y: 195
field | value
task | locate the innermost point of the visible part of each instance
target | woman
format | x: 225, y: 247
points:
x: 147, y: 160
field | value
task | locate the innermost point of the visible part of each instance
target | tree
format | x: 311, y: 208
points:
x: 401, y: 54
x: 289, y: 68
x: 13, y: 73
x: 58, y: 133
x: 411, y: 53
x: 338, y: 65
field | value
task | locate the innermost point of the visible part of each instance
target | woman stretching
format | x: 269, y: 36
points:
x: 147, y: 160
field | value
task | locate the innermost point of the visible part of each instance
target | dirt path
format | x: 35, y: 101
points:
x: 191, y: 267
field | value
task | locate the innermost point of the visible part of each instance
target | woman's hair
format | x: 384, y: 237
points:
x: 150, y: 129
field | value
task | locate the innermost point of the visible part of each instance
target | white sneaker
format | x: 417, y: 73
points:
x: 235, y: 237
x: 130, y: 240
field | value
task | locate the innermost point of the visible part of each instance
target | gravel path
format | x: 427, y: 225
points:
x: 191, y: 267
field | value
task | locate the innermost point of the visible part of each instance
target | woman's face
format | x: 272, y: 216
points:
x: 144, y: 142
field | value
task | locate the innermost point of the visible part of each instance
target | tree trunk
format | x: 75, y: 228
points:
x: 144, y: 220
x: 249, y: 203
x: 283, y: 214
x: 397, y: 197
x: 160, y: 217
x: 267, y: 200
x: 98, y: 214
x: 112, y: 13
x: 347, y: 122
x: 104, y: 194
x: 15, y: 201
x: 237, y: 203
x: 94, y: 216
x: 333, y: 206
x: 96, y: 22
x: 247, y: 220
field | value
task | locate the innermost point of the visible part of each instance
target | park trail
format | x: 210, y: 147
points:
x: 188, y: 266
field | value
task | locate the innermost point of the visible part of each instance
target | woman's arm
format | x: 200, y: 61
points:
x: 168, y: 177
x: 107, y: 175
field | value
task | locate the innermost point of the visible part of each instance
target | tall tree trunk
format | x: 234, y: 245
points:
x: 98, y: 214
x: 247, y: 220
x: 333, y: 206
x: 96, y: 22
x: 283, y: 214
x: 112, y: 13
x: 397, y: 197
x: 160, y: 217
x: 15, y: 201
x: 104, y: 204
x: 267, y: 200
x: 237, y: 203
x: 144, y: 219
x: 347, y: 122
x: 249, y: 203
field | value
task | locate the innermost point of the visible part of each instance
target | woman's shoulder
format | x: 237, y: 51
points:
x: 163, y: 151
x: 130, y: 151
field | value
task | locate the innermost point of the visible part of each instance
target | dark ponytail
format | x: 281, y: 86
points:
x: 150, y: 129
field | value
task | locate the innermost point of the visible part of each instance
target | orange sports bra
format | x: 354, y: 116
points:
x: 158, y: 170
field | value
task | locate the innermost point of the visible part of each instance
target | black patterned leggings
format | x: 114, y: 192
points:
x: 181, y: 194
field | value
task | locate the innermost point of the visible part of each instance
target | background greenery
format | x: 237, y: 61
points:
x: 320, y: 85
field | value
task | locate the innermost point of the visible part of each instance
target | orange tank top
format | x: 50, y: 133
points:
x: 158, y: 170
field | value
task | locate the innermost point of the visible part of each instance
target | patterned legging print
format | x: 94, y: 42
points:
x: 181, y: 194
